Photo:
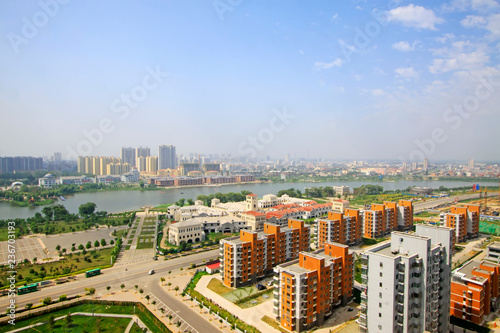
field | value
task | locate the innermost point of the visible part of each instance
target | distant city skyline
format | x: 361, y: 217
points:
x: 350, y: 80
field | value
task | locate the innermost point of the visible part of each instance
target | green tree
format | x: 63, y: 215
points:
x: 87, y: 209
x: 88, y: 245
x: 80, y: 247
x: 96, y: 243
x: 47, y: 301
x: 62, y: 298
x: 68, y: 321
x: 48, y: 212
x: 28, y: 306
x: 190, y: 202
x: 108, y: 287
x: 122, y: 286
x: 58, y: 247
x: 90, y: 291
x: 51, y: 322
x: 103, y: 242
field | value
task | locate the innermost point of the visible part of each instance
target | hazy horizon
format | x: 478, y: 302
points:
x: 358, y: 79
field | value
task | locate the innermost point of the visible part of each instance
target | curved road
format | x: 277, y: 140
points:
x: 138, y: 274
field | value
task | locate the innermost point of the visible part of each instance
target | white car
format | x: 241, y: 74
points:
x: 151, y: 272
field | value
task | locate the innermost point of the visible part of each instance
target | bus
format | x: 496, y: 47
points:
x: 27, y: 289
x: 93, y: 272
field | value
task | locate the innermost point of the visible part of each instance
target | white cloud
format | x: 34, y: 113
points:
x: 406, y: 72
x: 327, y: 65
x: 446, y: 37
x: 462, y: 56
x: 493, y: 26
x: 415, y: 17
x: 471, y: 21
x: 378, y: 92
x: 484, y: 4
x: 404, y: 46
x: 464, y: 5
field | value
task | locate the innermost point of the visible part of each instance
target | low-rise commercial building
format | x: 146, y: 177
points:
x: 194, y: 230
x: 307, y: 290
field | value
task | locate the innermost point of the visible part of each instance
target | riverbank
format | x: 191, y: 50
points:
x: 121, y: 201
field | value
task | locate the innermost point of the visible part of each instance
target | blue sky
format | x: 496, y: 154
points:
x: 355, y: 79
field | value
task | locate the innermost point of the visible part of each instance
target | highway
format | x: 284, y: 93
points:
x: 114, y: 277
x: 441, y: 201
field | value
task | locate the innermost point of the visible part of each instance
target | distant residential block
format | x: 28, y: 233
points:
x: 464, y: 220
x: 254, y: 254
x: 382, y: 219
x: 344, y: 228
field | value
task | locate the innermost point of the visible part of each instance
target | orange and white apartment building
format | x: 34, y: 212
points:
x: 382, y: 219
x: 474, y: 291
x: 464, y: 220
x: 344, y: 228
x: 254, y: 254
x: 307, y: 290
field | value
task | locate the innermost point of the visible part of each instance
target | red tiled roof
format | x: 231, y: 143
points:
x: 253, y: 195
x: 212, y: 266
x: 253, y: 213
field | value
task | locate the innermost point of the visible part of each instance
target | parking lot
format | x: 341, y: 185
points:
x: 27, y: 248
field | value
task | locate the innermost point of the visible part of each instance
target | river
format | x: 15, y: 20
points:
x: 118, y: 201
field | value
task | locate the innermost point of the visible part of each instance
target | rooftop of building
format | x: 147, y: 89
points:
x: 466, y: 271
x: 494, y: 246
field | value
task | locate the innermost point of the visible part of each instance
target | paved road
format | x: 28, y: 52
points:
x: 190, y: 315
x: 114, y: 277
x: 441, y: 201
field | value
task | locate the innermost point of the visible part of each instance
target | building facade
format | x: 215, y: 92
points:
x: 474, y: 291
x: 464, y: 220
x: 406, y: 283
x: 308, y: 289
x: 254, y: 254
x: 344, y: 228
x: 382, y: 219
x: 167, y: 158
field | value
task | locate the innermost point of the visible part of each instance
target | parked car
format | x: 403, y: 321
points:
x: 151, y: 272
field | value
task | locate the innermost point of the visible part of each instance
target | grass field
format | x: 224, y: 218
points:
x: 273, y: 323
x: 216, y: 236
x: 54, y: 269
x: 253, y: 301
x: 146, y: 317
x: 218, y: 287
x: 83, y: 323
x: 236, y: 295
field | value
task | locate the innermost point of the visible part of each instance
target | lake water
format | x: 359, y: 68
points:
x: 118, y: 201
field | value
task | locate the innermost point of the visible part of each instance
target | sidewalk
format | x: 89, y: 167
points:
x: 251, y: 315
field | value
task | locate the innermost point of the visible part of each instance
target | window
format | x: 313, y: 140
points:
x: 379, y: 305
x: 380, y: 284
x: 380, y: 295
x: 381, y: 274
x: 380, y: 315
x: 381, y: 265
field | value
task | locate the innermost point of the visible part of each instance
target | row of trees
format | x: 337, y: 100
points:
x: 223, y: 197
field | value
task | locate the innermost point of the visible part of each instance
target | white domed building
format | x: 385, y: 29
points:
x: 47, y: 181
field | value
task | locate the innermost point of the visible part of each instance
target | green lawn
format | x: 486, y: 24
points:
x: 54, y: 269
x: 4, y: 234
x: 116, y: 309
x: 218, y: 287
x: 145, y: 245
x: 87, y: 324
x: 136, y: 329
x: 147, y: 318
x: 216, y: 236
